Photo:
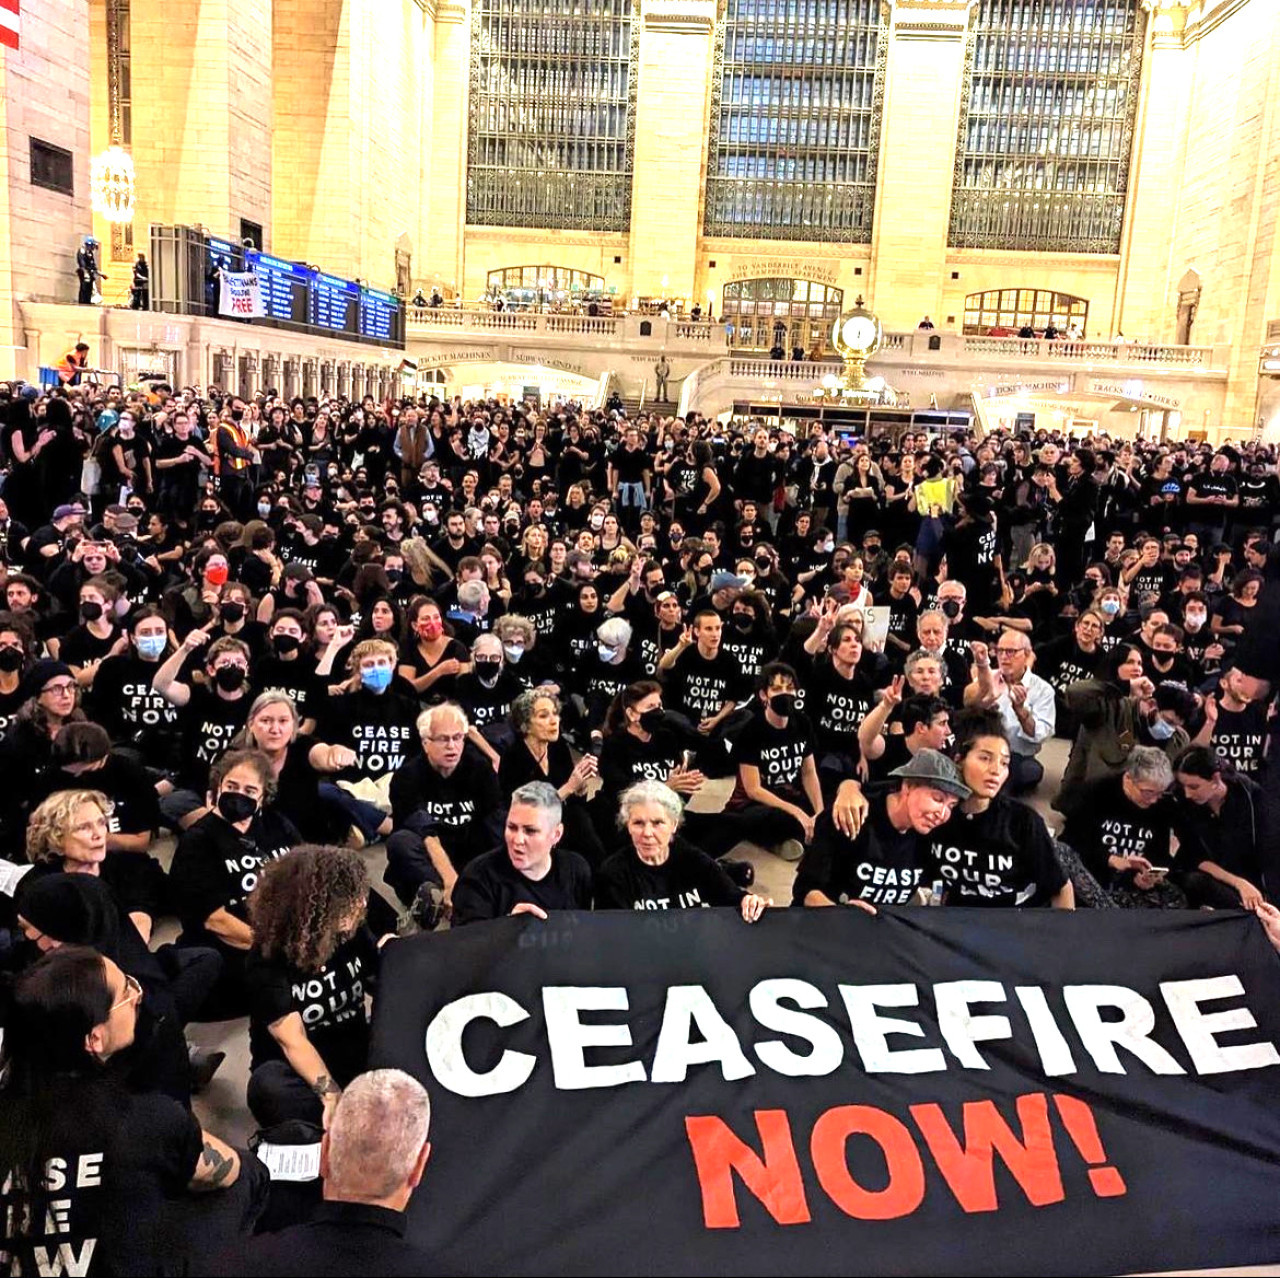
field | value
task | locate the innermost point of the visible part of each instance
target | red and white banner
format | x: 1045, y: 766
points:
x: 10, y: 22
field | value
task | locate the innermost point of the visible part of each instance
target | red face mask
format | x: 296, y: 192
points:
x: 216, y: 574
x: 431, y: 629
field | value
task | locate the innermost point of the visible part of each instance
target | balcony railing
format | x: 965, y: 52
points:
x: 1088, y: 352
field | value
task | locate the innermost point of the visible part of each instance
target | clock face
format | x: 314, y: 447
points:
x: 859, y: 331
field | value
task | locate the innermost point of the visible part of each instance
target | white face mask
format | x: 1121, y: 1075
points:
x: 514, y: 652
x: 1194, y: 620
x: 1160, y: 729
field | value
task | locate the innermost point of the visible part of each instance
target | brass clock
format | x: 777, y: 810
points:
x: 857, y: 335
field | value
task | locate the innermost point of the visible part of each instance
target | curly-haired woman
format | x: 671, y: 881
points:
x: 312, y: 963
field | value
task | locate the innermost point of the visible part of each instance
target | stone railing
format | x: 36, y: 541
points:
x: 1088, y: 352
x: 781, y: 369
x: 492, y: 321
x: 589, y: 325
x: 699, y: 331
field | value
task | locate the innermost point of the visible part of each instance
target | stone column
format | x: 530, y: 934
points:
x: 924, y: 78
x: 445, y: 192
x: 672, y: 107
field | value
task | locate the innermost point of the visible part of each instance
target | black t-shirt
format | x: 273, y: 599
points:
x: 215, y: 867
x: 1001, y: 857
x: 465, y: 809
x: 836, y: 706
x: 1155, y: 581
x: 487, y: 705
x: 490, y: 886
x: 1106, y: 823
x: 630, y: 466
x: 209, y: 722
x: 379, y: 726
x: 80, y: 646
x: 132, y: 711
x: 1062, y: 661
x: 1207, y: 484
x: 625, y: 759
x: 751, y: 650
x: 779, y: 754
x: 687, y: 880
x: 124, y: 782
x: 330, y: 1001
x: 1240, y: 735
x: 113, y: 1160
x: 297, y: 679
x: 698, y: 687
x: 10, y: 704
x: 882, y: 865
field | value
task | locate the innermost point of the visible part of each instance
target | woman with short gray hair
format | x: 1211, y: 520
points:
x: 1121, y: 828
x: 661, y: 871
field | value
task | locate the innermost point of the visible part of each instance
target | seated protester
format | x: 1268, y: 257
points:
x: 67, y: 834
x: 1024, y: 702
x: 83, y: 759
x: 658, y: 631
x: 98, y: 634
x: 777, y: 799
x: 575, y: 633
x: 603, y: 673
x: 1121, y: 829
x: 138, y: 719
x: 924, y: 675
x: 312, y: 963
x: 485, y: 694
x: 1235, y: 727
x: 54, y: 910
x: 216, y: 865
x: 838, y: 694
x: 933, y: 632
x: 904, y: 612
x: 886, y: 861
x: 897, y: 729
x: 374, y: 717
x: 541, y: 605
x: 644, y: 743
x: 1069, y: 659
x: 289, y: 667
x: 528, y: 874
x: 469, y: 616
x: 703, y: 683
x: 72, y: 1013
x: 1202, y: 648
x: 372, y: 1157
x: 1149, y: 577
x: 661, y: 871
x: 635, y: 597
x: 445, y: 808
x: 749, y: 637
x: 1165, y: 661
x: 522, y: 650
x: 1118, y: 710
x: 539, y: 753
x: 1111, y: 606
x: 770, y: 580
x: 962, y: 631
x: 1221, y: 824
x: 213, y: 711
x: 995, y: 852
x: 18, y: 648
x: 430, y: 659
x: 50, y: 696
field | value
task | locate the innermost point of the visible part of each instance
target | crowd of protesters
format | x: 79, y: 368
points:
x: 243, y: 640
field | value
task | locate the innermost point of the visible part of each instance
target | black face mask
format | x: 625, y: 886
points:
x: 236, y: 807
x: 232, y: 612
x: 394, y: 574
x: 783, y: 704
x: 90, y: 611
x: 230, y: 678
x: 651, y: 720
x: 950, y: 609
x: 743, y: 622
x: 11, y: 659
x: 488, y: 671
x: 285, y: 644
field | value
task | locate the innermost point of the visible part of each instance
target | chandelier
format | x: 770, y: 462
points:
x: 111, y: 183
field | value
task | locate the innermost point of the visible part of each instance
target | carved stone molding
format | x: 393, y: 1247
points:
x: 932, y: 19
x: 689, y: 16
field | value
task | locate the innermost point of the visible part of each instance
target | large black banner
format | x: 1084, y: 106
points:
x: 959, y: 1091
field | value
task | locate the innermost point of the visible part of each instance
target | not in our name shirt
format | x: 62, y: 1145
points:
x: 1106, y: 823
x: 209, y: 722
x: 331, y: 1002
x: 698, y: 687
x: 1240, y: 735
x: 1001, y: 857
x: 882, y: 865
x: 779, y: 754
x: 687, y: 880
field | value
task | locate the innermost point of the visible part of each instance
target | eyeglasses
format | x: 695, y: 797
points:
x: 1009, y: 652
x: 452, y: 738
x: 132, y: 993
x: 59, y: 689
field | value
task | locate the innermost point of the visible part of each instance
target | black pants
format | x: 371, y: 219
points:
x: 197, y: 1226
x: 237, y: 493
x: 1025, y: 773
x: 193, y: 973
x: 756, y: 823
x: 277, y: 1093
x: 1204, y: 890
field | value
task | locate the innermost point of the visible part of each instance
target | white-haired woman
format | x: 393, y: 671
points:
x: 660, y: 870
x: 609, y: 666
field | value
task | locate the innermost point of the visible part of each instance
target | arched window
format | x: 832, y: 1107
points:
x: 1015, y: 308
x: 529, y: 286
x: 763, y: 313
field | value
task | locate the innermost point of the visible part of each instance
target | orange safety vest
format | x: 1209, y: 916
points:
x: 71, y: 367
x: 242, y: 441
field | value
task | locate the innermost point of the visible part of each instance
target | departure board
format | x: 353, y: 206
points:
x: 285, y: 287
x: 381, y: 317
x: 335, y: 305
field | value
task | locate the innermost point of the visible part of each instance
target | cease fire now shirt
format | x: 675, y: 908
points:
x: 882, y: 865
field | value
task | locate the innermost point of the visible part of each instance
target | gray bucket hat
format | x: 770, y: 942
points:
x: 931, y: 767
